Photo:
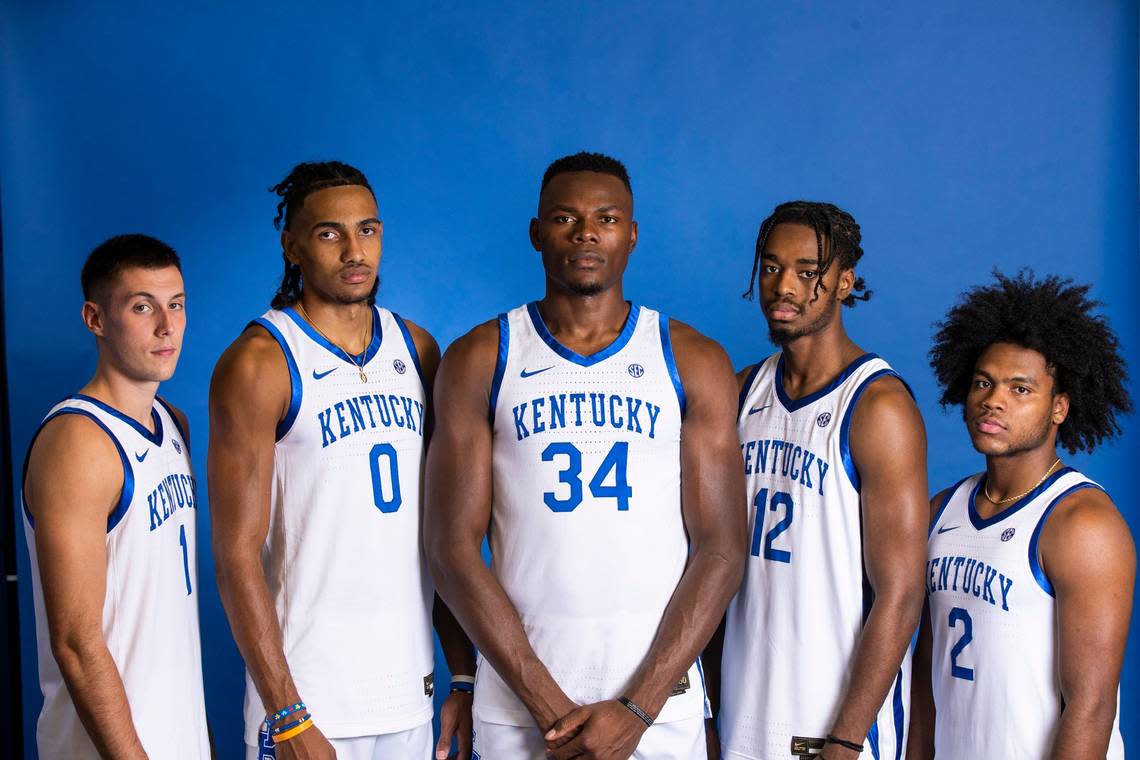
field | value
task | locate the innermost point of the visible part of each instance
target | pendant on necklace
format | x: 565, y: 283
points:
x: 363, y: 377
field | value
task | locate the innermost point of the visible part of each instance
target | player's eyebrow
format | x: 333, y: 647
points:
x: 152, y: 296
x: 802, y: 262
x: 335, y: 225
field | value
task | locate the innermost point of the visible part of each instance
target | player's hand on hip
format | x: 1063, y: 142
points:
x: 309, y: 745
x: 455, y: 720
x: 601, y: 731
x: 712, y: 739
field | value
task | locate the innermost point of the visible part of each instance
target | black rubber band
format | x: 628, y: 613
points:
x: 636, y: 710
x: 833, y: 739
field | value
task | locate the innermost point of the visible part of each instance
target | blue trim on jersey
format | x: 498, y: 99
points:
x: 354, y: 359
x: 500, y: 362
x: 1034, y: 557
x: 704, y: 689
x: 670, y: 361
x: 295, y: 386
x: 574, y: 356
x: 942, y: 507
x: 793, y: 404
x: 177, y: 424
x: 125, y: 495
x: 747, y: 387
x: 899, y: 715
x: 155, y: 437
x: 873, y: 739
x: 980, y: 523
x: 411, y: 349
x: 849, y: 413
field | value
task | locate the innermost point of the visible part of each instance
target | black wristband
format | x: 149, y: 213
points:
x: 833, y: 739
x: 636, y: 711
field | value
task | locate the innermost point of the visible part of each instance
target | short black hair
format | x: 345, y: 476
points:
x: 121, y: 252
x: 585, y: 161
x: 1053, y: 317
x: 837, y: 238
x: 303, y: 180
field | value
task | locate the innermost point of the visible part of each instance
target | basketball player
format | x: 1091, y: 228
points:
x: 1031, y: 568
x: 318, y: 417
x: 110, y: 514
x: 815, y: 656
x: 593, y: 438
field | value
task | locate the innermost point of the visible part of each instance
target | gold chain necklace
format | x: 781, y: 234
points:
x: 1008, y: 499
x: 359, y: 365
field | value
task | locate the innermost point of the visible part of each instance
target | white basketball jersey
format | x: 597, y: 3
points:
x: 794, y: 626
x: 587, y: 537
x: 342, y: 557
x: 994, y: 618
x: 150, y: 610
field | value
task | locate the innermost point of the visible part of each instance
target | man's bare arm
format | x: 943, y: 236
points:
x: 888, y: 446
x: 920, y: 740
x: 457, y: 511
x: 249, y: 394
x: 74, y: 480
x: 1088, y: 555
x: 713, y: 505
x: 455, y: 714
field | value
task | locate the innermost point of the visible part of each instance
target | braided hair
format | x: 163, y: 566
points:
x: 837, y: 238
x: 1055, y: 318
x: 302, y: 181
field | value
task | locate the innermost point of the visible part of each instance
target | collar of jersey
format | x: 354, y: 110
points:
x: 574, y: 356
x: 980, y: 522
x: 799, y: 403
x: 356, y: 360
x: 155, y: 437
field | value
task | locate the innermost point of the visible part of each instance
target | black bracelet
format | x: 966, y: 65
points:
x: 636, y: 710
x: 833, y: 739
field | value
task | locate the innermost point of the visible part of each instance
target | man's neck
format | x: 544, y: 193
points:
x: 578, y: 320
x: 130, y: 397
x: 348, y: 325
x: 1008, y: 476
x: 813, y: 361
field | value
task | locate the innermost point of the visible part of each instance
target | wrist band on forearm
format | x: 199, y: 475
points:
x: 304, y: 724
x: 833, y: 739
x: 285, y: 712
x: 636, y: 710
x: 464, y: 684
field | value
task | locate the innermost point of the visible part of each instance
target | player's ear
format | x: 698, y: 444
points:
x: 289, y: 247
x: 632, y: 236
x: 534, y: 240
x: 93, y: 317
x: 1060, y: 408
x: 845, y: 285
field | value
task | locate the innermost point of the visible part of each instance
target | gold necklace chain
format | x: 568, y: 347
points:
x: 1008, y: 499
x: 359, y: 365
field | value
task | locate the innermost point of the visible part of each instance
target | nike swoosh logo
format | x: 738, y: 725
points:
x: 947, y: 530
x: 524, y: 373
x: 758, y: 409
x: 319, y: 375
x: 142, y: 456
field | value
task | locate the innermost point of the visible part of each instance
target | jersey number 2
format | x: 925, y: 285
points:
x: 958, y: 671
x: 780, y: 498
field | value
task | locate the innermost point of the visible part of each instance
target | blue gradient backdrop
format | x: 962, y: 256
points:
x: 963, y: 137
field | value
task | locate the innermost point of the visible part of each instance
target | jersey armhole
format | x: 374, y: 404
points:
x: 671, y: 361
x: 845, y: 426
x: 500, y: 365
x: 942, y: 507
x: 125, y: 496
x: 286, y: 423
x: 177, y: 423
x: 411, y: 344
x: 747, y: 386
x: 1034, y: 551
